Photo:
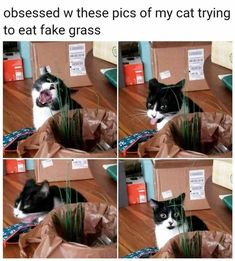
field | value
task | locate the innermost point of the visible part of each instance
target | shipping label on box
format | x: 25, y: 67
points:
x: 65, y: 60
x: 175, y: 61
x: 77, y: 55
x: 62, y: 170
x: 173, y: 177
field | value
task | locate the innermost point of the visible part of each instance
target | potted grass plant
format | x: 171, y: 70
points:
x: 79, y: 230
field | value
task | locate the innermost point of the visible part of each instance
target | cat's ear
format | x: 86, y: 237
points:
x: 180, y: 84
x: 43, y: 70
x: 44, y: 191
x: 154, y: 85
x: 180, y: 198
x: 30, y: 183
x: 154, y: 204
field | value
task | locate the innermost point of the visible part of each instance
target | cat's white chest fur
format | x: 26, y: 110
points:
x: 162, y: 234
x: 40, y: 115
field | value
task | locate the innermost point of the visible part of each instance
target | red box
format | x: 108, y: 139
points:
x: 133, y: 70
x: 136, y: 190
x: 15, y: 166
x: 12, y: 67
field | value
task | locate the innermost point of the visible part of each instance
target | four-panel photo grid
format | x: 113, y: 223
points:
x: 117, y: 149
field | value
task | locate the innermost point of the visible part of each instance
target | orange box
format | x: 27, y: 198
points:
x: 133, y: 70
x: 136, y: 190
x: 12, y: 67
x: 15, y: 166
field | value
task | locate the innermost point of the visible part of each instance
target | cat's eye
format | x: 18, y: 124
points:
x: 163, y: 107
x: 176, y: 214
x: 163, y: 215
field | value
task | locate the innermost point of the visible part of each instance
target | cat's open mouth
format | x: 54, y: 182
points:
x: 45, y: 97
x: 154, y: 121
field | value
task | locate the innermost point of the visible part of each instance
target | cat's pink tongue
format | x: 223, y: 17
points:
x: 153, y: 121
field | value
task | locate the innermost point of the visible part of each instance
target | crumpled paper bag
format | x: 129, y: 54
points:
x: 216, y: 128
x: 97, y: 125
x: 44, y: 242
x: 203, y: 244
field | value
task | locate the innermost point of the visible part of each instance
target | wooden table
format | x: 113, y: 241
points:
x: 223, y: 95
x: 212, y: 194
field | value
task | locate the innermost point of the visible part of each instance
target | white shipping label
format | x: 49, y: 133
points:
x: 195, y: 64
x: 142, y: 198
x: 79, y: 164
x: 167, y: 194
x: 77, y: 55
x: 46, y: 163
x: 21, y: 167
x: 19, y: 76
x: 165, y: 74
x: 197, y: 184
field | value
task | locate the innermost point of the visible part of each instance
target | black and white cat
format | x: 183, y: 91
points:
x: 166, y: 101
x: 170, y: 220
x: 49, y: 94
x: 39, y: 199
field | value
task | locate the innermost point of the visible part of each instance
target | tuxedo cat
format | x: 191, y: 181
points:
x: 170, y: 220
x: 49, y: 95
x: 166, y: 101
x: 39, y: 199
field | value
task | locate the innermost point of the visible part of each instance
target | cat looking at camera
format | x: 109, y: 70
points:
x: 164, y: 102
x: 170, y: 220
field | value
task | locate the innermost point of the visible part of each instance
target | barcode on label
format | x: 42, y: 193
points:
x: 79, y: 164
x: 197, y: 184
x: 77, y: 53
x: 77, y: 47
x: 195, y: 64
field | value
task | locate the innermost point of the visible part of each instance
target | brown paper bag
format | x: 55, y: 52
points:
x: 202, y: 244
x: 43, y: 241
x: 97, y: 125
x: 216, y: 128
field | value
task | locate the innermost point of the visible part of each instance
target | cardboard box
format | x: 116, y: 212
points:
x: 12, y: 67
x: 15, y: 166
x: 136, y: 190
x: 175, y: 61
x: 173, y: 177
x: 133, y: 70
x: 106, y: 51
x: 222, y: 173
x: 65, y: 60
x: 222, y: 54
x: 62, y: 170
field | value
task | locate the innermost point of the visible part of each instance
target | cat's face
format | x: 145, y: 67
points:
x: 46, y: 91
x: 163, y: 100
x: 169, y: 214
x: 34, y: 198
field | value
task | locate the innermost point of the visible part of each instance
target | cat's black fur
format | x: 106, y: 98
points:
x: 166, y: 101
x: 36, y: 198
x: 170, y: 219
x: 50, y: 94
